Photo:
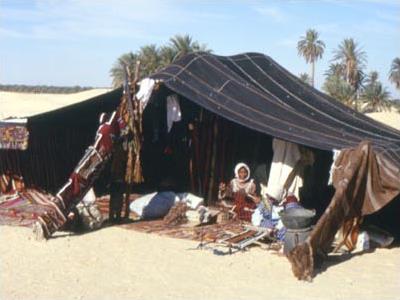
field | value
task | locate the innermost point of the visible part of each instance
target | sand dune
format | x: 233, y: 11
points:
x: 27, y: 104
x: 388, y: 118
x: 115, y: 263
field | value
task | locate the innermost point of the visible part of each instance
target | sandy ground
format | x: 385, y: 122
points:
x: 28, y: 104
x: 115, y: 263
x: 389, y: 118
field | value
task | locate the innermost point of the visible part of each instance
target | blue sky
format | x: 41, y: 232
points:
x: 75, y: 42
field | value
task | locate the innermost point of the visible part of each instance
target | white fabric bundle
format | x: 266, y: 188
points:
x: 173, y: 110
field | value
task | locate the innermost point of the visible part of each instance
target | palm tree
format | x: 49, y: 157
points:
x: 374, y: 94
x: 372, y: 79
x: 353, y: 61
x: 305, y: 78
x: 153, y: 58
x: 394, y: 74
x: 339, y: 89
x: 149, y: 57
x: 376, y: 97
x: 184, y: 44
x: 118, y: 70
x: 311, y: 48
x: 167, y: 55
x: 335, y: 69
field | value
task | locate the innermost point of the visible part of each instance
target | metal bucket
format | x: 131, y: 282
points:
x: 294, y: 237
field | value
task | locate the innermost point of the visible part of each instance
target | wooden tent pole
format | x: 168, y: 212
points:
x: 134, y: 118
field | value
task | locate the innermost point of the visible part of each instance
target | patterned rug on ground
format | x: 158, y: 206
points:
x: 22, y: 209
x: 207, y: 233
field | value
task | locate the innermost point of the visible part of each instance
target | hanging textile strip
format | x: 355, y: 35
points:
x: 209, y: 126
x: 81, y: 179
x: 212, y: 185
x: 13, y: 136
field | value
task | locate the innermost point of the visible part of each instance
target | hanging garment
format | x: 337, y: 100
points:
x: 285, y: 157
x: 336, y: 154
x: 287, y: 167
x: 145, y: 91
x: 173, y: 110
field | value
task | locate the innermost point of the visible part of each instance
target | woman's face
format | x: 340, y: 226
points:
x: 242, y: 173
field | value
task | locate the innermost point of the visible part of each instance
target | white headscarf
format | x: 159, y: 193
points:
x: 245, y: 184
x: 238, y: 167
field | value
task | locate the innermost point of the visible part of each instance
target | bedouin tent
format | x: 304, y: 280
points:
x: 44, y: 147
x: 253, y: 90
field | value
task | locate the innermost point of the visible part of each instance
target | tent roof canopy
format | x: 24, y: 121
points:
x: 255, y: 91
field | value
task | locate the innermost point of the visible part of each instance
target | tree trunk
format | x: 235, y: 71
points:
x: 312, y: 73
x: 348, y: 73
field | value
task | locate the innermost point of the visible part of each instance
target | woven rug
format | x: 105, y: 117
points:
x: 23, y: 208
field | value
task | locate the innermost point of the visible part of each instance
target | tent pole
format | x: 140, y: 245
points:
x: 134, y: 118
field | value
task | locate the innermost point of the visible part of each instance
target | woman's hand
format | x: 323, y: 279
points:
x: 256, y: 199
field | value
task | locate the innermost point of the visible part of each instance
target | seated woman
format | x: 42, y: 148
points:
x: 240, y: 194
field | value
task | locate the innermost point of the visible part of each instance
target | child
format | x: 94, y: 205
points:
x: 240, y: 192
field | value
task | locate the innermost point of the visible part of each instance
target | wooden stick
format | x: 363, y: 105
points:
x: 131, y: 150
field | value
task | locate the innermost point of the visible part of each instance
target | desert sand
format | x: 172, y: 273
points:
x: 116, y: 263
x: 21, y: 105
x: 388, y: 118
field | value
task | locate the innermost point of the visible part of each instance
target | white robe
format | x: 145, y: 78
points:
x: 285, y: 157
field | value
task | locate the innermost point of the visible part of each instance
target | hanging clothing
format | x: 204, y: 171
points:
x: 336, y: 154
x: 145, y: 91
x: 287, y: 167
x: 285, y: 157
x: 173, y: 111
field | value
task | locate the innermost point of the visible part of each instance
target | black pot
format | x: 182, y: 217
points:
x: 297, y: 218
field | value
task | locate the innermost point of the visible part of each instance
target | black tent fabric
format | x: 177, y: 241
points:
x: 57, y: 140
x: 253, y: 90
